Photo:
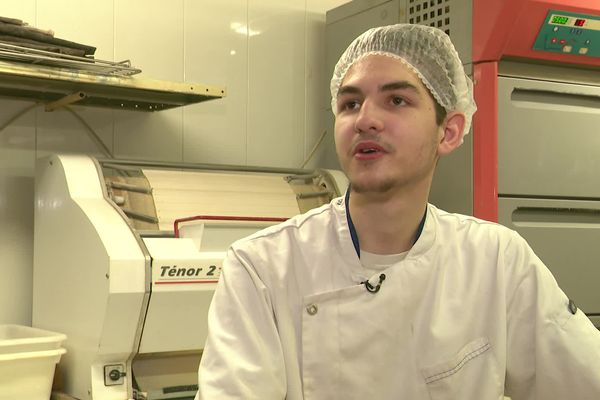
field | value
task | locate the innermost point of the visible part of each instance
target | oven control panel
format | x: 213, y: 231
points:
x: 569, y: 33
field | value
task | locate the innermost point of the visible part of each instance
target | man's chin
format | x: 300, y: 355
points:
x: 373, y: 186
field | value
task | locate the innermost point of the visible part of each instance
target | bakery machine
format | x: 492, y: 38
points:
x: 127, y: 255
x: 532, y: 160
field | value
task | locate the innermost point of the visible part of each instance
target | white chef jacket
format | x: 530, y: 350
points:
x: 469, y: 314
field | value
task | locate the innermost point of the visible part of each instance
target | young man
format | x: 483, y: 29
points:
x: 380, y: 295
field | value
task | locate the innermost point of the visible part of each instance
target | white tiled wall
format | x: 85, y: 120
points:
x: 268, y: 53
x: 150, y: 33
x: 17, y: 159
x: 276, y: 70
x: 317, y: 88
x: 216, y: 52
x: 83, y: 21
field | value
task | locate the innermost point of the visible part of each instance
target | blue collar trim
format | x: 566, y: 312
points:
x: 354, y: 235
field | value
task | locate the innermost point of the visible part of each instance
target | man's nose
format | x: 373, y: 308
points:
x: 369, y: 118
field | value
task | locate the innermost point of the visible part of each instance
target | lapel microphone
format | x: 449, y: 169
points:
x: 374, y: 289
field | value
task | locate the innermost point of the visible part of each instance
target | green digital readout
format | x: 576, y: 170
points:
x: 559, y: 19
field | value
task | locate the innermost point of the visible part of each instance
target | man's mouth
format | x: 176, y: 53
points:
x: 368, y: 151
x: 368, y: 148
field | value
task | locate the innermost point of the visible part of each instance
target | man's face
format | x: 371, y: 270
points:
x: 385, y: 131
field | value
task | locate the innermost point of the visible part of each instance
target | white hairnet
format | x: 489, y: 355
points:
x: 427, y: 51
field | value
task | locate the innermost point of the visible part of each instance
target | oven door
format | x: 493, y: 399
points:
x: 549, y: 177
x: 565, y: 234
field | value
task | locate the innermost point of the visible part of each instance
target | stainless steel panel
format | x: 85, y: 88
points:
x: 452, y: 188
x: 351, y: 8
x: 548, y: 140
x: 553, y: 73
x: 565, y: 235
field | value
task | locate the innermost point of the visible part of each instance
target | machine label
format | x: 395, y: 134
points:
x: 175, y: 274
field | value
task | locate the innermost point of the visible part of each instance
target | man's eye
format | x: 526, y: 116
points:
x: 351, y: 105
x: 398, y: 100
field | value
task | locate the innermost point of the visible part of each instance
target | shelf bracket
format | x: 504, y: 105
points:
x: 65, y: 101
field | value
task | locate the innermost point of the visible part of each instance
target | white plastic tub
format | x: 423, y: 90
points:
x: 28, y: 357
x: 18, y: 338
x: 28, y: 375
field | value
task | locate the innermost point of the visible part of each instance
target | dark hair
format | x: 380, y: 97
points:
x: 440, y: 112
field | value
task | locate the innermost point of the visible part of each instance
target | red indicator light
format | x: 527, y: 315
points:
x: 554, y: 40
x: 579, y: 22
x: 563, y: 41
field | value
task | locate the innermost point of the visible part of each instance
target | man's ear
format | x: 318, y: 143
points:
x: 452, y: 129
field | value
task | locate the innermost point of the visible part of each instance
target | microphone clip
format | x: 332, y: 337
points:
x: 374, y: 289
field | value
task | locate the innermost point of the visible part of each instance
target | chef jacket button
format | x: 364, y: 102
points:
x: 572, y: 307
x: 312, y: 309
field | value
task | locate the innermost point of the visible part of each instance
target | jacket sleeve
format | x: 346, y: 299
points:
x: 242, y: 358
x: 553, y: 349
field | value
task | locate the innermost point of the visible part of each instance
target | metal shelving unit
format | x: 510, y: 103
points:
x: 61, y: 86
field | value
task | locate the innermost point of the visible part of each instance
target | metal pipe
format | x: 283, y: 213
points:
x: 301, y: 177
x: 140, y: 216
x: 130, y: 188
x: 65, y: 101
x: 116, y: 164
x: 313, y: 195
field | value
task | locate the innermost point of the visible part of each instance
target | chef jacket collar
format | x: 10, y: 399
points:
x: 352, y: 229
